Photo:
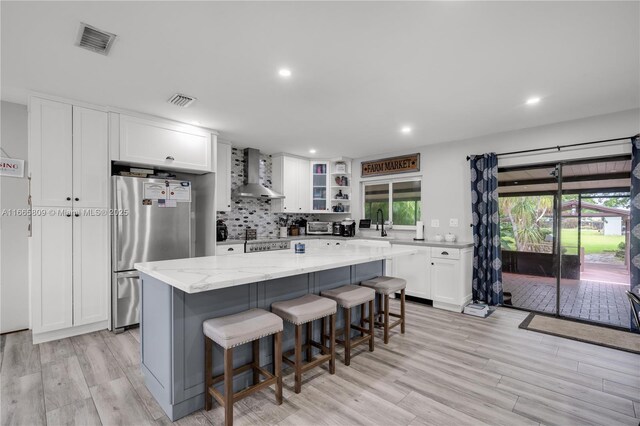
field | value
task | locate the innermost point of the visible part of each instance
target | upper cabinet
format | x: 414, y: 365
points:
x: 291, y: 178
x: 223, y: 177
x: 164, y: 144
x: 68, y: 154
x: 320, y: 187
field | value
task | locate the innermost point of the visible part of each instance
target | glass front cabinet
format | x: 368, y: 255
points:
x: 319, y: 186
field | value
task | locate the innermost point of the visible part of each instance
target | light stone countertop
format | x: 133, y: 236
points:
x: 391, y: 240
x: 198, y: 274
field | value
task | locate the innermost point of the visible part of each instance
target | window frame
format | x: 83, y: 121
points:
x: 390, y: 183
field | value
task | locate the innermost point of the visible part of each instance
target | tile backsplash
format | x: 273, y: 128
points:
x: 256, y: 213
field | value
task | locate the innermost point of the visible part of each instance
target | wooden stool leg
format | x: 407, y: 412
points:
x: 332, y: 344
x: 386, y: 319
x: 256, y: 360
x: 277, y: 365
x: 402, y: 311
x: 309, y: 338
x: 371, y: 326
x: 323, y: 341
x: 362, y: 319
x: 298, y: 358
x: 208, y: 373
x: 228, y: 387
x: 347, y: 336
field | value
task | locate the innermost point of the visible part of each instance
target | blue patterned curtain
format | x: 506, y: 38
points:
x: 634, y: 235
x: 487, y: 264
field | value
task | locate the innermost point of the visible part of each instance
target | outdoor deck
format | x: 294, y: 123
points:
x: 587, y: 299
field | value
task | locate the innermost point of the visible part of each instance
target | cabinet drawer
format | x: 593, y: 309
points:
x: 445, y: 253
x: 229, y: 249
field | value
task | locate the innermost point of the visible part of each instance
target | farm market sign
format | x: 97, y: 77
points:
x: 390, y: 166
x: 11, y: 167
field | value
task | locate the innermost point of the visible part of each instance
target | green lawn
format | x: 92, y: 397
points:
x: 591, y: 240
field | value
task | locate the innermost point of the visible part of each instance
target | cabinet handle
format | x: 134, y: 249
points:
x: 76, y: 214
x: 68, y: 198
x: 230, y: 249
x: 445, y: 253
x: 77, y: 199
x: 68, y: 214
x: 431, y: 263
x: 169, y: 157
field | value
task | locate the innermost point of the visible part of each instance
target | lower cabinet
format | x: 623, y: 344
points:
x: 415, y: 269
x: 440, y: 275
x: 229, y: 249
x: 69, y: 273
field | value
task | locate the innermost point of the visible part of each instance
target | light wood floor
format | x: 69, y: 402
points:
x: 448, y: 369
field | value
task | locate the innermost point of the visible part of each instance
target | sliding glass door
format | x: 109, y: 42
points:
x: 564, y: 234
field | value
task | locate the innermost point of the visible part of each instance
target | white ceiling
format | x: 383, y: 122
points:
x: 361, y: 70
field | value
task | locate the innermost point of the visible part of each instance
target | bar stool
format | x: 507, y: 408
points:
x: 231, y: 331
x: 347, y: 297
x: 305, y: 310
x: 384, y: 286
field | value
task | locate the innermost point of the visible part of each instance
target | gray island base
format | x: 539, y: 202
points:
x: 171, y: 329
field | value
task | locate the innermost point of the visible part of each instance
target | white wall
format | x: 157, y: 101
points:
x: 445, y: 170
x: 14, y: 285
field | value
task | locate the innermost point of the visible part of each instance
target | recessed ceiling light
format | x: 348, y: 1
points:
x: 312, y: 151
x: 284, y: 72
x: 533, y: 101
x: 406, y: 130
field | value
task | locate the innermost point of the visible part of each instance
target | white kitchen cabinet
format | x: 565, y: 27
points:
x: 320, y: 191
x: 69, y: 248
x: 51, y: 273
x: 68, y: 155
x: 416, y: 270
x: 223, y: 177
x: 50, y: 152
x: 451, y: 278
x: 164, y: 144
x: 91, y: 272
x: 229, y: 249
x: 290, y: 177
x: 90, y: 158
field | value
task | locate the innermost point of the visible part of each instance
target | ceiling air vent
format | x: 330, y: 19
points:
x: 181, y: 100
x: 94, y: 39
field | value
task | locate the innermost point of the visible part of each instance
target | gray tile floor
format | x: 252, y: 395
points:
x: 588, y: 300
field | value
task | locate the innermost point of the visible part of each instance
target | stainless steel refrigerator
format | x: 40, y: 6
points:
x: 152, y: 222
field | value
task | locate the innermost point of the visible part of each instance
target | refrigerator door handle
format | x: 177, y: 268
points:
x: 118, y: 226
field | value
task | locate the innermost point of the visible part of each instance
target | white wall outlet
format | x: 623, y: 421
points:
x: 435, y: 223
x: 453, y: 223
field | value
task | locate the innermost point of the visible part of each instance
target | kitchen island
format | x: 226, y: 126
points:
x: 178, y: 295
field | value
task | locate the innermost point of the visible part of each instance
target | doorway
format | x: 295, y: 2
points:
x: 565, y: 238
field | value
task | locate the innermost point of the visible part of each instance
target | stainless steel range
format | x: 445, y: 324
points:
x: 261, y: 246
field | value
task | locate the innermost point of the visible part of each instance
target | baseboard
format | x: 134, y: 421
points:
x: 69, y: 332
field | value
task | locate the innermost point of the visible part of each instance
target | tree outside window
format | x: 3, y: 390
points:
x: 404, y: 197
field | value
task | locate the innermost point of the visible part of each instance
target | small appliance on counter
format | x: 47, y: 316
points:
x: 348, y: 228
x: 250, y: 234
x: 319, y: 228
x: 337, y: 228
x: 222, y: 232
x: 365, y: 224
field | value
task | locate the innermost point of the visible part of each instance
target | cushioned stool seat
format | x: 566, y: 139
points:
x: 349, y: 296
x: 231, y: 331
x: 234, y: 330
x: 304, y: 309
x: 386, y: 285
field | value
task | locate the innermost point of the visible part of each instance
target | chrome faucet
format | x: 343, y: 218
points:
x: 380, y: 215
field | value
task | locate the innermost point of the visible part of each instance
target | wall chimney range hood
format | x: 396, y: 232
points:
x: 252, y: 187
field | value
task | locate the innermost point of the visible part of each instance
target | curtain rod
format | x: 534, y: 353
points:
x: 559, y: 147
